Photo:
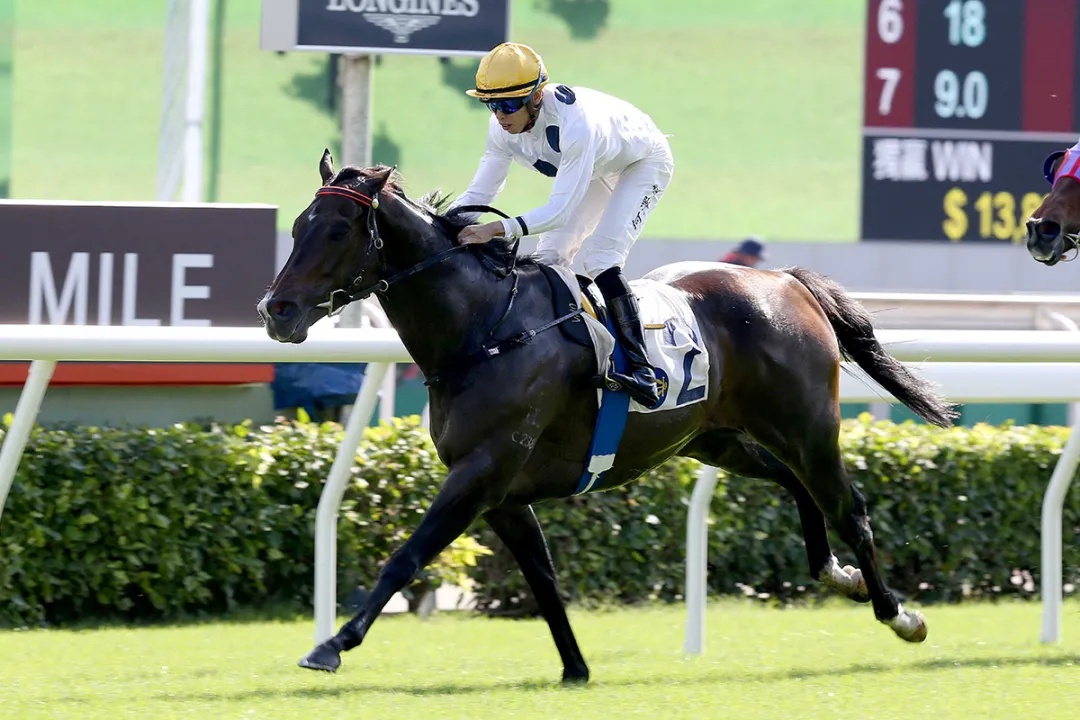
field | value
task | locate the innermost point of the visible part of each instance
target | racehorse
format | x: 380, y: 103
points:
x: 1054, y: 228
x: 513, y: 426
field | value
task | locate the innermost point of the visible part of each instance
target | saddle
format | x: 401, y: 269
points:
x: 672, y: 336
x: 564, y: 300
x: 673, y: 344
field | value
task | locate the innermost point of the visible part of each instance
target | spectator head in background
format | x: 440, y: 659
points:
x: 748, y: 253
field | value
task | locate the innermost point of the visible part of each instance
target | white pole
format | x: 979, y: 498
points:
x: 373, y: 314
x: 355, y: 82
x: 326, y: 516
x: 697, y: 555
x: 356, y: 98
x: 26, y: 412
x: 198, y: 31
x: 1052, y: 511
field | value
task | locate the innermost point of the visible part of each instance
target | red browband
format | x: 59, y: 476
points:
x: 349, y: 193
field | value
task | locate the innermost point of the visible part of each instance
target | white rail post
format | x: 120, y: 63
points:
x: 326, y: 516
x: 697, y: 555
x: 374, y: 315
x: 1053, y: 504
x: 1052, y: 512
x: 26, y: 412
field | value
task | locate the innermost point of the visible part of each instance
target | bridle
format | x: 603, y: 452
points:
x: 355, y: 290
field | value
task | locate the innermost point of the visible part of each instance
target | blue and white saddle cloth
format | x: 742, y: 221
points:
x: 679, y: 357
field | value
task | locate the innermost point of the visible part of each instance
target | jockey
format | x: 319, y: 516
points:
x: 610, y: 166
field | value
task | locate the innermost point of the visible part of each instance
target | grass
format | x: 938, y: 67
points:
x: 762, y: 99
x: 980, y: 661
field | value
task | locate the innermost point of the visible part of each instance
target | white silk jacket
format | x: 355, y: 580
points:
x: 579, y: 135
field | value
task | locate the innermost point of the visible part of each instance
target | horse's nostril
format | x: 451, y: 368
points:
x: 283, y: 309
x: 1048, y: 229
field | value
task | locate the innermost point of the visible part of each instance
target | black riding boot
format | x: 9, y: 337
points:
x: 622, y: 305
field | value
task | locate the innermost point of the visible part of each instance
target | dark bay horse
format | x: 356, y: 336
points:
x: 514, y: 429
x: 1054, y: 228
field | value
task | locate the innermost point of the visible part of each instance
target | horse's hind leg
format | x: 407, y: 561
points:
x: 518, y: 528
x: 819, y: 464
x: 736, y: 453
x: 853, y: 524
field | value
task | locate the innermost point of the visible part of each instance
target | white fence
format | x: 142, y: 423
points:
x: 972, y: 311
x: 971, y: 365
x: 45, y: 345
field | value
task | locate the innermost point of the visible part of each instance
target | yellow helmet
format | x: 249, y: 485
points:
x: 509, y: 70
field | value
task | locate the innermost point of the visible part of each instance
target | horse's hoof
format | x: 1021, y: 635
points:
x: 859, y: 593
x: 323, y: 658
x: 579, y: 676
x: 847, y: 580
x: 908, y: 625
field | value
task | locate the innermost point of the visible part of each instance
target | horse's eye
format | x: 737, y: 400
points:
x: 338, y: 233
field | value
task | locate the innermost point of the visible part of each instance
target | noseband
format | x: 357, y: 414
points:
x: 356, y: 291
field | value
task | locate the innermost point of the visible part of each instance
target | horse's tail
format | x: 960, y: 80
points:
x: 855, y: 334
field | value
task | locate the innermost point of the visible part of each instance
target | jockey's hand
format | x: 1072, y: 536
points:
x: 480, y: 233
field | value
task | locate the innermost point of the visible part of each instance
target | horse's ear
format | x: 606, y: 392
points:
x: 1051, y: 164
x: 379, y: 179
x: 326, y: 166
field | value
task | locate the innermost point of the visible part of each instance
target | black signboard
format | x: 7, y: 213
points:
x: 962, y: 101
x: 153, y: 264
x: 922, y: 187
x: 443, y: 27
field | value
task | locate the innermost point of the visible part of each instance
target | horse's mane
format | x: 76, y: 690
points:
x: 435, y: 204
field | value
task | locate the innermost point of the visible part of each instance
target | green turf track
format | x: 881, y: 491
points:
x: 980, y: 662
x: 762, y: 99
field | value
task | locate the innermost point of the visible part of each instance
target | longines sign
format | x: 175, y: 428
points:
x: 134, y: 264
x: 439, y: 27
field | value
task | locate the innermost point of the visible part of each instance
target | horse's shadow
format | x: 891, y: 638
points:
x: 710, y: 678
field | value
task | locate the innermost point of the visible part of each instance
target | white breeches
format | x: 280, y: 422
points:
x: 610, y: 216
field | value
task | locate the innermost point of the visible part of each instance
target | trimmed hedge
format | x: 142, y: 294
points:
x: 158, y: 523
x: 161, y: 523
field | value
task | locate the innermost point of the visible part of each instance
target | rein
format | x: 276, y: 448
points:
x: 355, y: 291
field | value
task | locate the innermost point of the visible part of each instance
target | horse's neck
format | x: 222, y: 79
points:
x: 444, y: 310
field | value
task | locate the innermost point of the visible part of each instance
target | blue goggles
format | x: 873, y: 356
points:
x: 507, y: 106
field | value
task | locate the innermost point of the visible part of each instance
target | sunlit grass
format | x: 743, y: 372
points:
x: 980, y: 661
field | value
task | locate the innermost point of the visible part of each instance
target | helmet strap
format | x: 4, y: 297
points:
x: 534, y: 111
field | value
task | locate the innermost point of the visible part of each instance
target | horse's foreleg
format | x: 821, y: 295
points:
x: 518, y: 528
x: 460, y: 501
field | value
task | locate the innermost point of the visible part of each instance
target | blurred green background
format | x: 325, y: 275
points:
x: 7, y: 36
x: 762, y: 98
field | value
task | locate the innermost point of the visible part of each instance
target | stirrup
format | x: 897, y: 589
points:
x: 607, y: 381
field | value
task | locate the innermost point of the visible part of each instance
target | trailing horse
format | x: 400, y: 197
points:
x: 1054, y: 228
x: 513, y: 399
